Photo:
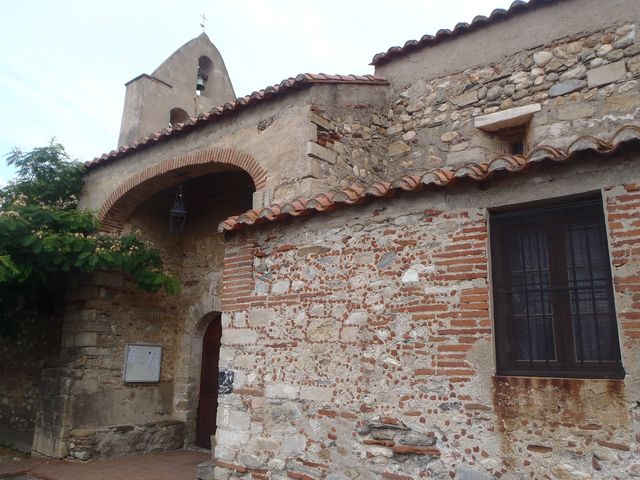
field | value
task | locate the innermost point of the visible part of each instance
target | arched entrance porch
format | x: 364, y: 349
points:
x: 108, y: 312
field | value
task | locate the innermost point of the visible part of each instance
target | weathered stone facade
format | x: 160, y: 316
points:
x: 586, y: 83
x: 102, y: 415
x: 362, y: 339
x: 363, y: 346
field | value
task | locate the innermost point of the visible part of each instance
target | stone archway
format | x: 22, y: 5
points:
x: 119, y: 206
x: 202, y: 296
x: 216, y: 186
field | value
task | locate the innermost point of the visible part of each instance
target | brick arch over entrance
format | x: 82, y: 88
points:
x: 116, y: 210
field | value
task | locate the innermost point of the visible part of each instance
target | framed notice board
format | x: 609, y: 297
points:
x: 142, y: 363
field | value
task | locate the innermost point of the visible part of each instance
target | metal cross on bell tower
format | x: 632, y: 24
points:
x: 204, y: 21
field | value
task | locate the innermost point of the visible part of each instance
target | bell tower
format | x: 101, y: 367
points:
x: 191, y: 81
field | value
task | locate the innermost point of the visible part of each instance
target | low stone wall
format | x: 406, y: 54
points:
x: 119, y: 440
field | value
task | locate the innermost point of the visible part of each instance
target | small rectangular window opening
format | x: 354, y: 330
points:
x: 516, y: 148
x: 514, y: 139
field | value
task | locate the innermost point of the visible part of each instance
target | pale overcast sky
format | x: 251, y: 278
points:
x: 63, y: 63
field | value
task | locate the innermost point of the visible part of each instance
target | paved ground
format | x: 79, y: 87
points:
x: 175, y: 465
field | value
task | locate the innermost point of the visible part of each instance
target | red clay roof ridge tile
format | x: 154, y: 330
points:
x: 444, y: 34
x: 438, y: 177
x: 240, y: 103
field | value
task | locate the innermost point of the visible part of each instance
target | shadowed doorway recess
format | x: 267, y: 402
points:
x: 208, y: 401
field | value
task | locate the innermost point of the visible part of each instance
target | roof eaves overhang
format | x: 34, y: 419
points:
x: 441, y: 177
x: 461, y: 28
x: 232, y: 108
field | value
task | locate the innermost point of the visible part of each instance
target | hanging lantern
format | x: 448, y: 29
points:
x: 177, y: 214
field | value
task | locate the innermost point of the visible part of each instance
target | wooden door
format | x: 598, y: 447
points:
x: 208, y: 401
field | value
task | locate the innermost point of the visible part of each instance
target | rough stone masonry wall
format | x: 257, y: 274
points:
x: 34, y: 345
x: 87, y: 410
x: 587, y: 84
x: 107, y: 416
x: 362, y: 348
x: 350, y: 146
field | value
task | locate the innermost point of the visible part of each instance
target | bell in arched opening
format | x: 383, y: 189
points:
x: 205, y: 67
x: 200, y: 83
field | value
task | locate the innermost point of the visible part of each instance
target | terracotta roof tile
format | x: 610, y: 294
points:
x: 460, y: 28
x: 348, y: 195
x: 231, y: 107
x: 378, y: 189
x: 438, y: 177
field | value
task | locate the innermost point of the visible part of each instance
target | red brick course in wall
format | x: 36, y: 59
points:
x: 237, y: 286
x: 622, y: 205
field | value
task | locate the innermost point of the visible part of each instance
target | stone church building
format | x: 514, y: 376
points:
x: 430, y: 272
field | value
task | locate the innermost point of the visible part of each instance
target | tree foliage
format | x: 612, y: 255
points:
x: 44, y: 238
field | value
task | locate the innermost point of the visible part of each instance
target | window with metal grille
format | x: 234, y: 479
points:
x: 553, y: 297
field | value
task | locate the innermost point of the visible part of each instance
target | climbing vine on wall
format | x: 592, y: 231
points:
x: 44, y: 238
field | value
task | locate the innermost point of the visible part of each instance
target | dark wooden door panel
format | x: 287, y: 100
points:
x: 208, y: 401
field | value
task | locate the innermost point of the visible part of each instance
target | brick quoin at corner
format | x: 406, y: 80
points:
x: 429, y: 272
